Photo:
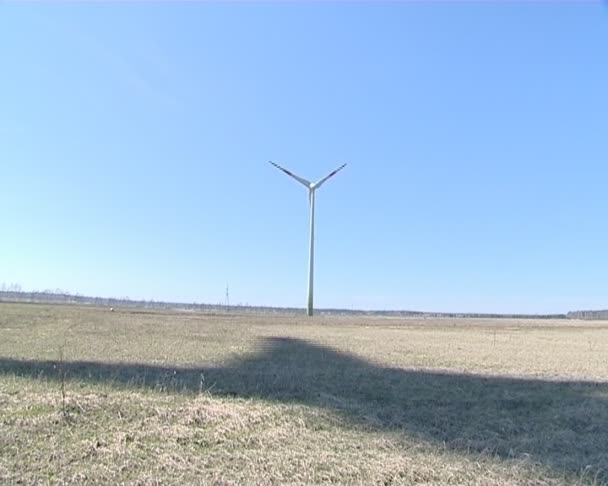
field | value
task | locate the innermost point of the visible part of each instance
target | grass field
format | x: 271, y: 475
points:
x: 130, y: 396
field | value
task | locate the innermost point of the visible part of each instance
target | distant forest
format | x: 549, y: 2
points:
x: 14, y: 293
x: 588, y: 314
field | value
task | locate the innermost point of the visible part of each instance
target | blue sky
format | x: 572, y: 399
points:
x: 134, y: 141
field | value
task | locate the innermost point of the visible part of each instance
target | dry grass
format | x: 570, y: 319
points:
x: 234, y: 399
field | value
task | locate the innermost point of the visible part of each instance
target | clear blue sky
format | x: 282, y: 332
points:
x: 134, y: 141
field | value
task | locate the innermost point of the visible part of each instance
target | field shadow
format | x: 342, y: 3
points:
x: 560, y: 424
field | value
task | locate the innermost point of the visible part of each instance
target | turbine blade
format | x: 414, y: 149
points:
x: 299, y: 179
x: 318, y: 184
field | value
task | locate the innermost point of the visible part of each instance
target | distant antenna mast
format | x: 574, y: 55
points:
x: 227, y: 296
x: 312, y: 187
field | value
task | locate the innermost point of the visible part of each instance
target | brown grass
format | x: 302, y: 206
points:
x: 147, y: 397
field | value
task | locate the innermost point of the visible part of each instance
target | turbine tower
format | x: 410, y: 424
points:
x: 312, y: 187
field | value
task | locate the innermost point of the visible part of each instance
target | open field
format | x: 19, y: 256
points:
x: 88, y: 395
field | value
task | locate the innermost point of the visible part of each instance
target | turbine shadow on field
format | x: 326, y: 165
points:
x: 560, y: 424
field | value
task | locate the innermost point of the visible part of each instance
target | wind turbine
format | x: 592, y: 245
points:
x: 312, y: 187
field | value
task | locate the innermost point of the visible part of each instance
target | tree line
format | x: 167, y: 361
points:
x: 588, y: 314
x: 14, y: 293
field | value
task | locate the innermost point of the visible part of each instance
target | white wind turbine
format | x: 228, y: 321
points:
x: 312, y: 187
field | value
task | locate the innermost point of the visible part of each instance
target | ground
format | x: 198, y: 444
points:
x: 142, y: 397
